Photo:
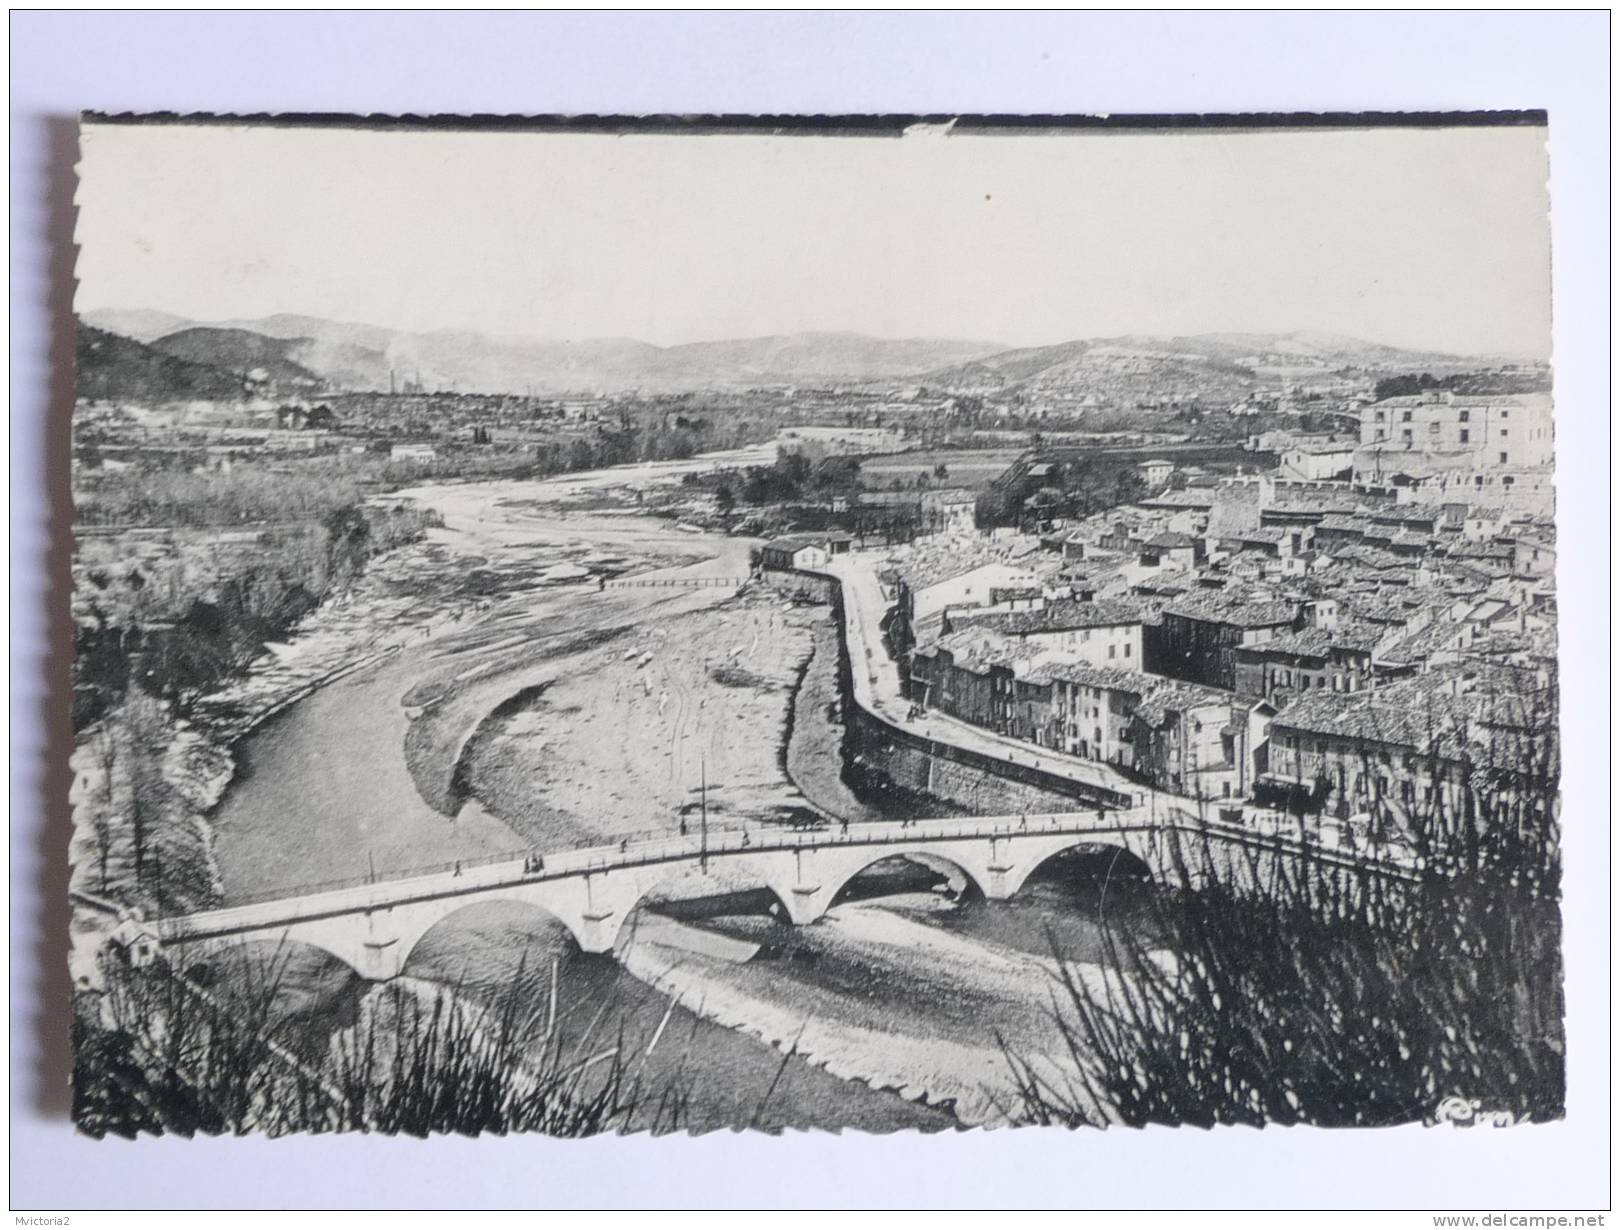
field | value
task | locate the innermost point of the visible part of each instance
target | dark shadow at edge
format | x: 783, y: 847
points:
x: 53, y: 1077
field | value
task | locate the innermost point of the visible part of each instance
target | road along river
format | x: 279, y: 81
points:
x: 549, y: 715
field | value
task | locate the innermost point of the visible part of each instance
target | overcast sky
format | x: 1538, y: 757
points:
x: 1424, y: 238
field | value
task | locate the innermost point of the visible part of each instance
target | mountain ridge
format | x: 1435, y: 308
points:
x: 111, y: 366
x: 241, y: 351
x: 370, y: 357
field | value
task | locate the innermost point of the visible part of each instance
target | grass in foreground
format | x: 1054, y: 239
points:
x: 156, y: 1052
x: 1311, y: 995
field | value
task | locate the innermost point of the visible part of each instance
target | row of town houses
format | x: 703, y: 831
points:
x: 1265, y: 641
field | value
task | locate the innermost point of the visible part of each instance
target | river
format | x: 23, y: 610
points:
x: 895, y: 1007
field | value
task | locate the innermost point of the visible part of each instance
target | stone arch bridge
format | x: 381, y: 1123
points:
x: 373, y: 926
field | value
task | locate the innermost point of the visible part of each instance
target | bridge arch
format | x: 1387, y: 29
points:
x: 423, y: 922
x: 263, y: 959
x: 940, y: 864
x: 688, y: 890
x: 837, y: 868
x: 1121, y: 860
x: 268, y: 951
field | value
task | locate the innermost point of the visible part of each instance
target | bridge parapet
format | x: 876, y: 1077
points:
x: 374, y: 926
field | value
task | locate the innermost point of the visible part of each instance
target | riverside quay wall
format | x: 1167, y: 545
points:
x: 881, y: 759
x: 885, y: 762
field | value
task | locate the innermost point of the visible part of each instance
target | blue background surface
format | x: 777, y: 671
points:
x: 806, y: 63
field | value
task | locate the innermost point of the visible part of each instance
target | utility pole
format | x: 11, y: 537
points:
x: 703, y: 815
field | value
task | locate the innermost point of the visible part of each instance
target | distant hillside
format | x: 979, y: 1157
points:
x: 1010, y: 367
x: 477, y: 361
x: 1133, y: 368
x: 830, y: 356
x: 1119, y: 370
x: 350, y: 356
x: 142, y: 324
x: 337, y: 332
x: 118, y: 368
x: 1124, y: 370
x: 1307, y: 349
x: 361, y: 356
x: 347, y: 356
x: 240, y: 351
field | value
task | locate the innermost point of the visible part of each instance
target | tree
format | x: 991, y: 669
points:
x: 1046, y: 503
x: 106, y: 747
x: 348, y: 539
x: 795, y: 468
x: 1405, y: 385
x: 146, y: 723
x: 581, y: 456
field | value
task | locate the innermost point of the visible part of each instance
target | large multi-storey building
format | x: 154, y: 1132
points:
x: 1444, y: 446
x: 1431, y: 748
x: 1198, y: 635
x: 1091, y: 708
x: 1509, y: 430
x: 1105, y: 633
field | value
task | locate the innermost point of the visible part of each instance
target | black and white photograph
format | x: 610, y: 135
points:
x: 904, y: 625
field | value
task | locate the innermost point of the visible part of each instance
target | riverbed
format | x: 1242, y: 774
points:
x: 560, y: 713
